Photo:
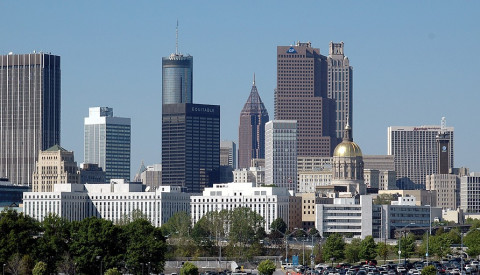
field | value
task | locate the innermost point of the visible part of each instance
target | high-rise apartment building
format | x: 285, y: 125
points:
x: 30, y: 89
x: 190, y: 145
x: 107, y: 142
x: 416, y: 154
x: 340, y: 86
x: 54, y: 166
x: 177, y: 79
x: 281, y: 153
x: 302, y: 95
x: 251, y: 131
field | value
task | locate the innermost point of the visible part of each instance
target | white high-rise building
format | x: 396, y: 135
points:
x: 107, y: 142
x: 415, y: 151
x: 281, y: 153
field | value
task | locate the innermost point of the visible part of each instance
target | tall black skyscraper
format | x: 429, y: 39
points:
x: 29, y: 112
x: 190, y: 145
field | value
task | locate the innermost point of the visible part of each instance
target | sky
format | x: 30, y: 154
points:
x: 414, y: 61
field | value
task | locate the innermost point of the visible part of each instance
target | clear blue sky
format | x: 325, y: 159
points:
x: 414, y: 61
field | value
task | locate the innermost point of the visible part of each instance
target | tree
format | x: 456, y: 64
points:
x: 368, y: 249
x: 352, y: 250
x: 17, y: 233
x: 97, y: 241
x: 334, y: 247
x: 472, y: 241
x: 429, y: 270
x: 179, y: 225
x: 54, y: 241
x: 407, y: 245
x: 266, y: 267
x: 40, y: 269
x: 112, y: 271
x: 383, y: 250
x: 143, y: 243
x: 14, y: 265
x: 244, y: 224
x: 279, y: 225
x: 189, y: 268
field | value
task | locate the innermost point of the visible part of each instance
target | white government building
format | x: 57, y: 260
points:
x: 269, y: 202
x: 112, y: 201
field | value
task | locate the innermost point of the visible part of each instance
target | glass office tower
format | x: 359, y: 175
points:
x: 30, y: 96
x: 177, y: 79
x: 107, y: 142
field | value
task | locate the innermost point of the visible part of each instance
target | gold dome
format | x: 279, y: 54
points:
x: 347, y: 149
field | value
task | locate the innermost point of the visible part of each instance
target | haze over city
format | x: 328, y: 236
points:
x: 413, y: 62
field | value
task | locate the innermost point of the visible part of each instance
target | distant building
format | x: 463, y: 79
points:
x: 91, y: 173
x: 422, y: 197
x: 379, y: 162
x: 447, y: 187
x: 251, y: 130
x: 107, y: 142
x: 115, y: 202
x: 228, y: 153
x: 54, y: 166
x: 416, y: 154
x: 151, y: 176
x: 10, y: 194
x: 340, y: 86
x: 177, y: 79
x: 254, y: 175
x: 469, y: 190
x: 190, y: 145
x: 308, y: 181
x: 30, y: 89
x: 281, y: 153
x: 302, y: 95
x: 269, y: 202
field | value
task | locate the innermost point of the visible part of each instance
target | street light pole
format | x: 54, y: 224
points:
x: 429, y: 227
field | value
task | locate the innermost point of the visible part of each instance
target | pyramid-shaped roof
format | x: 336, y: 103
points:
x: 254, y: 104
x: 56, y: 147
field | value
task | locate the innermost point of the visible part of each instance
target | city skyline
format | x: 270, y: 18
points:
x: 402, y: 76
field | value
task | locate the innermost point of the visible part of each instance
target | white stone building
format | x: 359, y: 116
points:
x: 269, y: 202
x: 253, y: 174
x: 114, y: 201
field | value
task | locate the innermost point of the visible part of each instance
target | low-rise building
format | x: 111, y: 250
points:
x: 269, y: 202
x: 115, y: 201
x: 254, y: 175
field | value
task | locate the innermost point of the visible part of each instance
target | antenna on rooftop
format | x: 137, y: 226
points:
x: 176, y: 39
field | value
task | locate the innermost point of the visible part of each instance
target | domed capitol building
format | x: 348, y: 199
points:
x: 347, y: 167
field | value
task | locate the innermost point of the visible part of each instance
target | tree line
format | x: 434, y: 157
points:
x: 82, y: 247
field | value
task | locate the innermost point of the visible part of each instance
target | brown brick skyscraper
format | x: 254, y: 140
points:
x: 301, y: 95
x: 251, y: 131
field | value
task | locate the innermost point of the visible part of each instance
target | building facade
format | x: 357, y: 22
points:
x: 281, y: 154
x: 10, y: 194
x: 177, y: 79
x: 340, y: 86
x: 269, y: 202
x: 251, y: 130
x: 228, y: 153
x: 107, y: 142
x: 91, y: 173
x: 469, y: 190
x: 30, y: 89
x: 190, y: 145
x: 115, y: 202
x: 54, y: 166
x: 447, y: 187
x: 254, y: 175
x: 301, y: 95
x: 415, y: 151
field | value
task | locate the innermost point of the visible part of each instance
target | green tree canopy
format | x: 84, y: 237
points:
x: 384, y: 199
x: 40, y: 269
x: 334, y: 247
x: 472, y: 241
x: 189, y: 268
x: 368, y: 249
x: 429, y: 270
x: 352, y: 250
x: 279, y: 225
x: 179, y: 225
x: 266, y: 267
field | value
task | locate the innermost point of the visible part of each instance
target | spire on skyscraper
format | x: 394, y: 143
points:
x: 254, y: 103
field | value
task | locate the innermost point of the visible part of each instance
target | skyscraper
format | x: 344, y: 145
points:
x: 177, y: 79
x: 228, y: 153
x: 190, y: 145
x: 251, y: 130
x: 301, y: 95
x: 340, y: 88
x: 30, y: 89
x: 281, y: 153
x: 107, y: 142
x: 416, y: 154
